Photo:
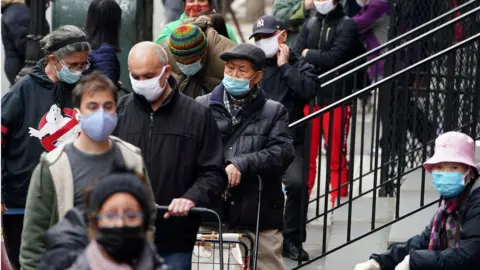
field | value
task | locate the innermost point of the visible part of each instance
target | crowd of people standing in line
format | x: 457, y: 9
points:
x: 206, y: 118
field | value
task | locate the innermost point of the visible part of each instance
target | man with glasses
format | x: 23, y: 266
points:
x: 37, y: 115
x: 60, y: 179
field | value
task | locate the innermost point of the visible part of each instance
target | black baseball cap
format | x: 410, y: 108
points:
x: 267, y: 24
x: 246, y: 51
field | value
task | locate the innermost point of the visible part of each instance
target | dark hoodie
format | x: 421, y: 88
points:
x: 32, y: 123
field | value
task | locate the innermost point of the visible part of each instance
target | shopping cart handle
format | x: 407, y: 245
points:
x: 198, y: 210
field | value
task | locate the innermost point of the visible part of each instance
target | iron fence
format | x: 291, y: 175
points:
x: 430, y: 85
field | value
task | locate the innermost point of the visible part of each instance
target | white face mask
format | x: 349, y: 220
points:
x: 269, y: 45
x: 150, y: 89
x: 324, y: 7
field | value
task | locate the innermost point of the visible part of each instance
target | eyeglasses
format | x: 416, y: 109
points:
x: 128, y: 218
x: 76, y: 67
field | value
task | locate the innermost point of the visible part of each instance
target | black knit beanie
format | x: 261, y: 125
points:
x: 117, y: 183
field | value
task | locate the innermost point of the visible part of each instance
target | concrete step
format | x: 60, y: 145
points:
x: 360, y: 224
x: 410, y: 195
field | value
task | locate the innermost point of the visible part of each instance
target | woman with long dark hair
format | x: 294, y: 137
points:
x: 103, y: 29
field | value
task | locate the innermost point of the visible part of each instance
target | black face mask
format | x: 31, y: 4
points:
x: 123, y: 244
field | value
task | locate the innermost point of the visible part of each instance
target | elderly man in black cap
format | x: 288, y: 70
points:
x: 256, y: 143
x: 291, y: 81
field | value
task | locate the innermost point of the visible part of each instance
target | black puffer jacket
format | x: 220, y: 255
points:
x: 293, y: 85
x: 264, y: 148
x: 67, y: 240
x: 464, y: 257
x: 332, y: 40
x: 15, y: 21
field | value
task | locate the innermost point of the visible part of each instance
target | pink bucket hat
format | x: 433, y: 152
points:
x: 453, y: 147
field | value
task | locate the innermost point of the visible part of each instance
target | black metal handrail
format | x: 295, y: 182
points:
x: 359, y: 93
x: 386, y: 225
x: 402, y: 36
x: 442, y: 53
x: 412, y: 41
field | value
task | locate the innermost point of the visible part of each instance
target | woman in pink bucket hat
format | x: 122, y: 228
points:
x: 452, y: 239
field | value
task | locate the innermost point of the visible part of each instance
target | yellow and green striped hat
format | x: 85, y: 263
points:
x: 186, y: 41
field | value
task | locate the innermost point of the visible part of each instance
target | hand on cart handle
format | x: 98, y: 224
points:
x: 179, y: 208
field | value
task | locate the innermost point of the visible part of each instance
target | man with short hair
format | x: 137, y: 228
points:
x: 291, y: 81
x: 181, y: 145
x: 257, y: 143
x: 62, y: 175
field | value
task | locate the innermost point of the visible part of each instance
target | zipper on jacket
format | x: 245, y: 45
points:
x: 321, y: 34
x: 328, y: 31
x: 149, y: 139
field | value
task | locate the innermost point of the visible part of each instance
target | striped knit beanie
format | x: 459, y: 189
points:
x: 186, y: 41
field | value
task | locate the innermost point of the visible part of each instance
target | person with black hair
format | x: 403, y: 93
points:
x: 37, y: 115
x: 193, y: 8
x: 59, y: 180
x: 110, y: 232
x: 103, y: 29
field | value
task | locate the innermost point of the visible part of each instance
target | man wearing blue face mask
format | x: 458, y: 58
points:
x: 256, y: 141
x: 291, y: 81
x: 37, y: 116
x: 193, y: 56
x: 59, y: 180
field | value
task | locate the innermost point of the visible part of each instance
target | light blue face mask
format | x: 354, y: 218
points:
x: 449, y: 184
x: 98, y: 125
x: 67, y: 76
x: 190, y: 69
x: 236, y: 86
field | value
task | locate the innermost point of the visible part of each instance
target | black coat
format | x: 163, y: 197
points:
x: 293, y: 85
x: 67, y: 240
x: 330, y: 47
x: 182, y: 149
x: 15, y: 21
x: 464, y: 257
x: 264, y: 148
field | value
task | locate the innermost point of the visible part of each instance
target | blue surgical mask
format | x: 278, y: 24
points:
x: 449, y: 184
x: 67, y: 76
x: 98, y: 125
x: 190, y: 69
x: 236, y: 86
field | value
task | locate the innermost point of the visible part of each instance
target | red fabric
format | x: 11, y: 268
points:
x: 4, y: 129
x: 338, y: 162
x: 459, y: 25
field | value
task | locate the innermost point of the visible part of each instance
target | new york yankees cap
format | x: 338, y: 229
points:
x: 267, y: 24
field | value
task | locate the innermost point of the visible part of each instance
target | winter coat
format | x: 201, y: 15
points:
x: 168, y: 29
x: 464, y: 257
x: 67, y: 240
x: 32, y: 122
x: 293, y: 85
x: 182, y: 149
x: 211, y: 73
x: 15, y: 22
x: 104, y: 59
x: 332, y: 40
x: 373, y: 23
x: 50, y: 196
x: 263, y: 148
x: 293, y: 14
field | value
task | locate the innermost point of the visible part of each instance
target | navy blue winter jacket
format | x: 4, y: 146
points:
x: 15, y: 21
x: 104, y: 59
x: 464, y: 257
